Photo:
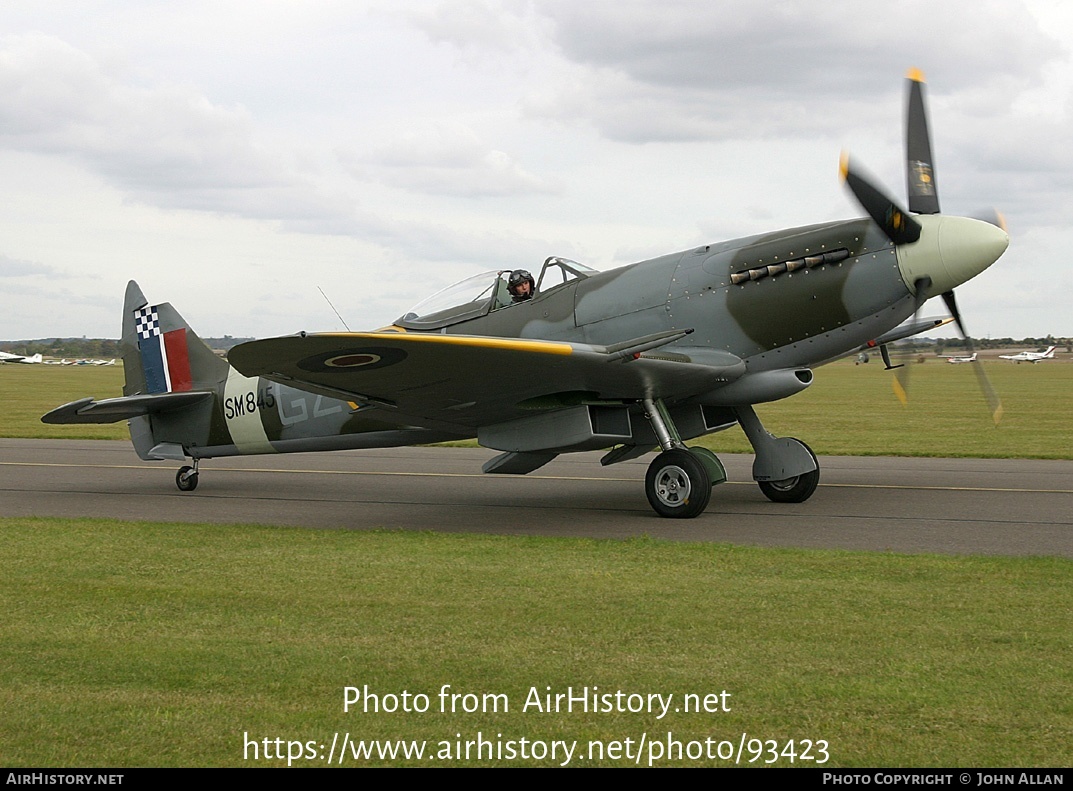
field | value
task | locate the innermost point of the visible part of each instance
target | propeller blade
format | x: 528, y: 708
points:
x: 993, y: 216
x: 919, y: 168
x: 891, y: 218
x: 900, y: 382
x: 952, y: 306
x: 994, y: 403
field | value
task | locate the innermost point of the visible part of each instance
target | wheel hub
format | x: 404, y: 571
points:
x: 672, y: 486
x: 786, y: 484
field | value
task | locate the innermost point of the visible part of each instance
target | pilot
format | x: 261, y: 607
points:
x: 520, y: 285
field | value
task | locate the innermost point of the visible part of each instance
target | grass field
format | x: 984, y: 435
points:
x: 849, y: 409
x: 29, y: 391
x: 162, y: 644
x: 169, y: 645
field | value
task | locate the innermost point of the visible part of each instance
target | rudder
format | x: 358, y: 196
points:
x: 161, y: 353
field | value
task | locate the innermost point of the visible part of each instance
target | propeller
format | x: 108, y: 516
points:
x: 900, y: 382
x: 919, y: 173
x: 891, y: 218
x: 906, y: 228
x: 993, y: 216
x: 994, y: 403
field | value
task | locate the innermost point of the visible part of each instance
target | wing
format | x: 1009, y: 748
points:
x: 465, y: 381
x: 901, y: 332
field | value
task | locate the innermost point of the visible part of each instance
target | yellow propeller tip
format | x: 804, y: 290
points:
x: 899, y: 391
x: 915, y: 74
x: 843, y: 165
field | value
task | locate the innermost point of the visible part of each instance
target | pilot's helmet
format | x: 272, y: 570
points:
x: 517, y: 277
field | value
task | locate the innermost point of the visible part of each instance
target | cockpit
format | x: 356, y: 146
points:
x: 481, y: 294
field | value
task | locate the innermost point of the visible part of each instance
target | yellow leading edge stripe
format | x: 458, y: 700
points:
x: 516, y: 344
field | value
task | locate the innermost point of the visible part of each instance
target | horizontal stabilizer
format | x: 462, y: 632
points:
x: 112, y: 410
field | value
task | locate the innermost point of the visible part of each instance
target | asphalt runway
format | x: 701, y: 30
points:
x: 948, y: 506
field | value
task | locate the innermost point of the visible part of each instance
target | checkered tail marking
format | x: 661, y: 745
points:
x: 165, y: 358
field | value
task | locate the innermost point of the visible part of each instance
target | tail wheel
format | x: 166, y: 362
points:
x: 186, y: 479
x: 678, y: 485
x: 796, y: 489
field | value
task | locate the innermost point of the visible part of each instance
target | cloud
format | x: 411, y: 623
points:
x: 776, y: 49
x: 447, y: 159
x: 167, y: 145
x: 691, y: 70
x: 479, y: 26
x: 14, y: 267
x: 57, y: 100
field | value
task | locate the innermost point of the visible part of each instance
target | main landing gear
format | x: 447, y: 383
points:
x: 680, y: 479
x: 785, y: 469
x: 186, y: 478
x: 795, y: 489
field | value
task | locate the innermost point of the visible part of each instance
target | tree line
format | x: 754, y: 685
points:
x: 96, y: 348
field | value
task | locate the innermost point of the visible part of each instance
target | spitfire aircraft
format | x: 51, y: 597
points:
x: 642, y: 357
x: 1030, y: 357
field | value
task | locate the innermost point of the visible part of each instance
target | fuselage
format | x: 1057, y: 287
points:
x: 785, y: 299
x: 780, y: 300
x: 776, y: 303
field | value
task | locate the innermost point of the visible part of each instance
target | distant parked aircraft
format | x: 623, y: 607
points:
x: 956, y: 360
x: 1030, y: 357
x: 6, y: 357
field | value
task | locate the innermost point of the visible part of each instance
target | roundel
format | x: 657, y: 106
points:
x: 350, y: 360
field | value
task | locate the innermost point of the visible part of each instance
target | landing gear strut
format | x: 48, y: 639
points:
x: 680, y: 479
x: 186, y: 478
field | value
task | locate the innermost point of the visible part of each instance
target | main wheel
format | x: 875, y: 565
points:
x: 793, y: 490
x: 677, y: 484
x: 186, y: 479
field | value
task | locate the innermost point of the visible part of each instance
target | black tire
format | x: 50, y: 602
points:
x: 796, y: 489
x: 678, y: 485
x: 186, y: 479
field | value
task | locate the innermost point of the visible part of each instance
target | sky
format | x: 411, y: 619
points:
x: 239, y: 158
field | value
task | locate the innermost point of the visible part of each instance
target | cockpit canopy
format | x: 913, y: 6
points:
x: 480, y: 294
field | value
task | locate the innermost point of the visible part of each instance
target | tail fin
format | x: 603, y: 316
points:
x: 171, y: 378
x: 161, y: 353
